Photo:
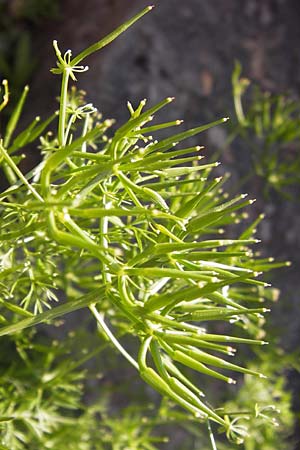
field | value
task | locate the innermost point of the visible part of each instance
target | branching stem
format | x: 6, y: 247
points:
x: 111, y: 336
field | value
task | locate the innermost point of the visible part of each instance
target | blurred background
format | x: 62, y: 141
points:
x: 189, y: 50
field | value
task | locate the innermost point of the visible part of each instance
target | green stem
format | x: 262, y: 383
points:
x: 239, y: 108
x: 84, y: 131
x: 211, y: 437
x: 103, y: 240
x: 142, y: 358
x: 108, y: 39
x: 63, y: 107
x: 5, y: 95
x: 17, y: 171
x: 112, y: 338
x: 54, y: 313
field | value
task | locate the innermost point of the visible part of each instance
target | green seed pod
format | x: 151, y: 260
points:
x: 154, y: 380
x: 169, y: 247
x: 186, y: 393
x: 205, y: 411
x: 194, y: 340
x: 136, y: 122
x: 218, y: 362
x: 194, y: 364
x: 191, y: 205
x: 220, y: 313
x: 223, y: 338
x: 179, y: 375
x: 217, y: 214
x: 186, y: 134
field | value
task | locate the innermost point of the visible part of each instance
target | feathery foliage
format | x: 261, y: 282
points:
x: 130, y: 228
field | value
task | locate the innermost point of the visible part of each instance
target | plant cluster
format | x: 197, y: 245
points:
x: 269, y: 125
x: 130, y: 229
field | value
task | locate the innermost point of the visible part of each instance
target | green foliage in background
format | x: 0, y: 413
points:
x: 270, y: 127
x: 266, y: 404
x: 130, y: 231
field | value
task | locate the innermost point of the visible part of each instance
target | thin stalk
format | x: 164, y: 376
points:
x: 17, y: 171
x: 239, y: 108
x: 103, y: 240
x: 63, y: 107
x: 13, y: 121
x: 54, y: 313
x: 67, y: 132
x: 143, y: 352
x: 112, y: 338
x: 84, y: 131
x: 109, y: 38
x: 5, y: 95
x: 211, y: 437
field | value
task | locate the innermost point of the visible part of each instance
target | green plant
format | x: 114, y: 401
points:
x: 265, y: 404
x: 269, y: 126
x: 128, y: 228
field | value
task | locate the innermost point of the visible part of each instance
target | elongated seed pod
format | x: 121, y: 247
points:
x: 206, y: 358
x: 154, y: 380
x: 194, y: 340
x: 179, y: 375
x: 182, y: 390
x: 220, y: 313
x: 196, y: 365
x: 189, y: 396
